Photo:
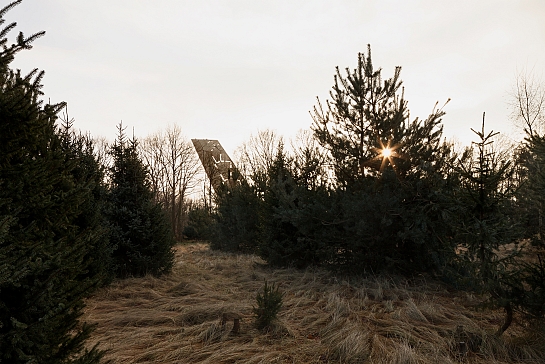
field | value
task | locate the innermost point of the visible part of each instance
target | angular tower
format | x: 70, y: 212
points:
x: 218, y: 166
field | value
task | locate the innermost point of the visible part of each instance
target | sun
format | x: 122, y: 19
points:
x: 386, y: 152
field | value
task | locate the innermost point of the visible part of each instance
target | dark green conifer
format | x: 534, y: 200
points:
x: 89, y: 175
x: 528, y: 285
x: 366, y: 115
x: 199, y: 222
x: 236, y: 218
x: 391, y: 173
x: 278, y: 232
x: 44, y: 245
x: 139, y: 230
x: 484, y: 228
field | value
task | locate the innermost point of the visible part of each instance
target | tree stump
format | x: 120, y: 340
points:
x: 228, y: 316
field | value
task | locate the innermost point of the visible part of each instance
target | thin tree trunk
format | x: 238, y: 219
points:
x: 508, y: 319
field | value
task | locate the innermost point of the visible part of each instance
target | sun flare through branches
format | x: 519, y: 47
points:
x: 387, y: 153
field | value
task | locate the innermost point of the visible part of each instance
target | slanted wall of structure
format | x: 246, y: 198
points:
x: 217, y: 164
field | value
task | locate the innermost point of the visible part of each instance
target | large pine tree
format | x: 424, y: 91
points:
x: 391, y: 173
x: 367, y: 116
x: 44, y: 242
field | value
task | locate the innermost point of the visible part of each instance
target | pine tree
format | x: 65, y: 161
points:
x: 139, y: 229
x: 199, y: 222
x: 44, y: 274
x: 368, y: 117
x: 391, y: 173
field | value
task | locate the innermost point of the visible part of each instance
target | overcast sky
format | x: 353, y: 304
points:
x: 226, y: 69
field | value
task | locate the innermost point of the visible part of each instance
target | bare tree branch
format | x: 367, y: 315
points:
x: 528, y: 103
x: 255, y: 156
x: 174, y: 166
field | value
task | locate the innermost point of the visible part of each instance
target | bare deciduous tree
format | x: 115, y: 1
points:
x: 528, y: 103
x: 173, y: 166
x: 255, y: 157
x: 310, y: 160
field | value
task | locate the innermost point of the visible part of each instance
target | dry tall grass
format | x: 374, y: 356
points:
x: 177, y: 318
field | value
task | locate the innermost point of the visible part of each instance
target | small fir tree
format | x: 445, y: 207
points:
x: 530, y: 196
x: 139, y: 229
x: 279, y: 235
x: 269, y: 303
x: 199, y: 222
x: 484, y: 227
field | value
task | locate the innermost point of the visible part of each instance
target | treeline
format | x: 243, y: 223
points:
x: 371, y: 190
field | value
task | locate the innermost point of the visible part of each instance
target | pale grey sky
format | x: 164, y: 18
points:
x: 226, y: 69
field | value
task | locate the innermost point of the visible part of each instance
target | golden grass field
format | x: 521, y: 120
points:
x: 325, y: 319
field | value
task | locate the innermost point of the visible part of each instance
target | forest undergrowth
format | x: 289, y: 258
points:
x: 325, y: 319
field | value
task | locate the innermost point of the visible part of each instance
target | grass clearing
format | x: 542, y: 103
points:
x: 177, y: 318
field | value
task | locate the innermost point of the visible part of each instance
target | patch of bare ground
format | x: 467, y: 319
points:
x: 325, y: 319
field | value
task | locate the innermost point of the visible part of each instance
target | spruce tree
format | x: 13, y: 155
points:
x: 139, y: 231
x: 199, y: 222
x: 279, y: 234
x: 90, y: 176
x: 528, y: 285
x: 484, y: 227
x: 530, y: 198
x: 44, y: 273
x: 236, y: 218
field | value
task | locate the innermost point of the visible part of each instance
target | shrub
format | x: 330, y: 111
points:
x: 199, y: 223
